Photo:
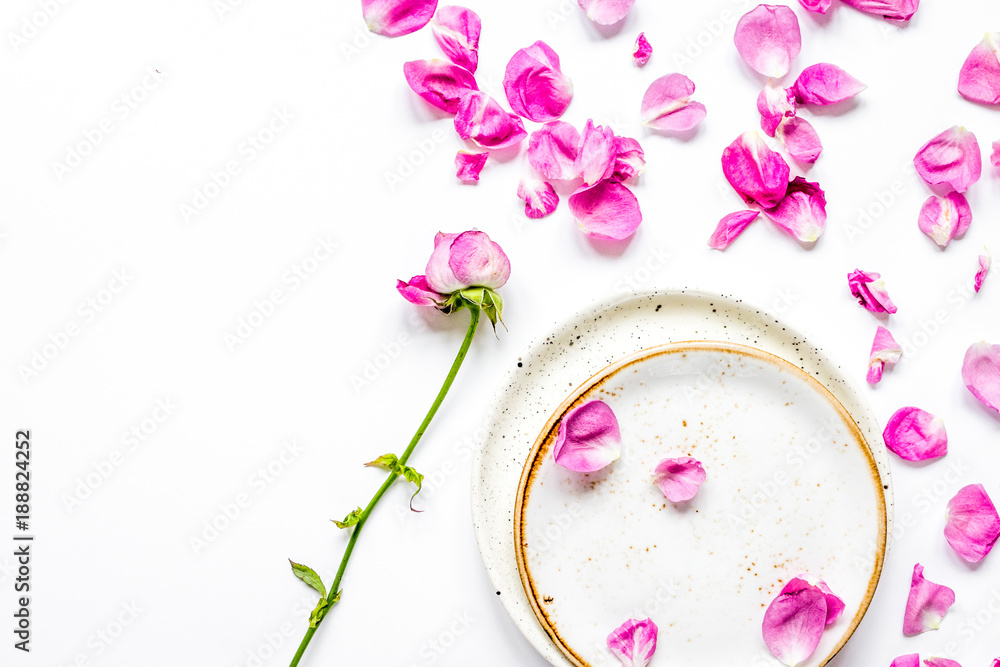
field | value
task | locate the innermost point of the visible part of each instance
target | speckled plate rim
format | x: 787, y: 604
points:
x: 547, y: 435
x: 497, y: 464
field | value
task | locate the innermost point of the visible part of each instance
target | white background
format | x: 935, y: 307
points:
x: 416, y: 581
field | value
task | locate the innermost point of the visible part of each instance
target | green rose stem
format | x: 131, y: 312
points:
x: 334, y: 595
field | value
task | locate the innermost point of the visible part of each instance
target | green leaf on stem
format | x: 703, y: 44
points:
x: 490, y: 302
x: 322, y: 607
x: 411, y: 475
x: 387, y: 462
x: 350, y: 520
x: 308, y: 575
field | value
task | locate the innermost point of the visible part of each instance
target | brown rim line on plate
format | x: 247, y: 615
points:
x: 543, y: 443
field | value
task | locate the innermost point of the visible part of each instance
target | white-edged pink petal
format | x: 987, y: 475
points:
x: 481, y: 118
x: 834, y: 605
x: 981, y: 373
x: 794, y: 624
x: 768, y: 39
x: 979, y: 79
x: 896, y: 10
x: 553, y: 150
x: 730, y: 227
x: 469, y: 259
x: 822, y: 84
x: 915, y: 435
x: 535, y: 86
x: 667, y: 104
x: 642, y: 50
x: 775, y: 104
x: 606, y: 12
x: 973, y: 525
x: 589, y: 438
x: 985, y: 261
x: 869, y: 289
x: 468, y: 165
x: 540, y: 198
x: 417, y: 291
x: 630, y: 159
x: 456, y: 30
x: 802, y: 212
x: 439, y: 82
x: 940, y: 662
x: 679, y: 478
x: 595, y: 160
x: 634, y: 642
x: 945, y: 218
x: 800, y: 139
x: 952, y: 157
x: 394, y: 18
x: 817, y: 6
x: 757, y: 173
x: 926, y: 605
x: 885, y: 350
x: 606, y: 211
x: 911, y: 660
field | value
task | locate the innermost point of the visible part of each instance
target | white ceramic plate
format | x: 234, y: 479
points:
x: 595, y: 550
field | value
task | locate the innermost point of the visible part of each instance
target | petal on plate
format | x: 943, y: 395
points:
x: 973, y: 523
x: 817, y: 6
x: 979, y: 80
x: 419, y: 292
x: 535, y: 86
x: 595, y: 160
x: 630, y: 159
x: 589, y: 438
x: 481, y: 118
x: 606, y: 12
x: 945, y: 218
x: 794, y: 623
x: 457, y: 30
x: 553, y: 150
x: 757, y: 173
x: 775, y: 104
x: 834, y: 605
x: 952, y: 157
x: 824, y: 84
x: 540, y: 198
x: 634, y: 642
x: 940, y: 662
x: 911, y: 660
x: 981, y: 373
x: 730, y: 227
x: 642, y: 50
x: 768, y: 39
x: 916, y: 435
x: 985, y: 261
x: 439, y: 82
x: 897, y: 10
x: 394, y: 18
x: 800, y: 139
x: 926, y: 605
x: 607, y: 210
x: 802, y: 212
x: 869, y: 289
x: 478, y: 261
x: 667, y: 104
x: 468, y: 165
x: 885, y: 350
x: 679, y: 479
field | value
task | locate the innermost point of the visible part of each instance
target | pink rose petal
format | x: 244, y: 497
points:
x: 553, y: 150
x: 642, y: 51
x: 973, y: 523
x: 911, y: 660
x: 630, y: 159
x: 540, y: 198
x: 679, y: 478
x: 794, y: 623
x: 896, y: 10
x: 481, y: 118
x: 926, y: 605
x: 757, y: 173
x: 606, y: 12
x: 985, y: 261
x: 802, y: 212
x: 730, y: 227
x: 981, y: 373
x: 979, y: 80
x: 589, y: 438
x: 634, y: 642
x: 952, y: 157
x: 775, y: 104
x: 869, y: 290
x: 995, y: 157
x: 468, y: 165
x: 885, y: 350
x: 394, y: 18
x: 535, y: 86
x: 800, y: 139
x: 667, y: 104
x: 457, y: 30
x: 824, y: 84
x: 834, y: 605
x: 945, y: 218
x: 607, y: 211
x: 440, y: 83
x: 419, y: 292
x: 768, y: 39
x: 940, y: 662
x: 595, y: 160
x: 916, y: 435
x: 817, y: 6
x: 469, y: 259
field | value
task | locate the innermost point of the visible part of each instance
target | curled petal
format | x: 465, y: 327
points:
x: 630, y: 159
x: 973, y: 523
x: 394, y: 18
x: 768, y: 39
x: 439, y: 82
x: 916, y: 435
x: 940, y: 662
x: 595, y: 160
x: 896, y: 10
x: 540, y: 198
x: 984, y: 267
x: 885, y: 350
x: 457, y: 30
x: 981, y: 373
x: 868, y: 288
x: 945, y: 218
x: 979, y: 79
x: 730, y: 227
x: 468, y: 165
x: 794, y: 623
x: 802, y: 212
x: 606, y: 12
x: 952, y: 157
x: 800, y: 139
x: 679, y: 478
x: 535, y: 86
x: 642, y: 50
x: 589, y: 438
x: 634, y: 642
x: 911, y: 660
x: 824, y: 84
x: 477, y: 261
x: 757, y: 173
x: 667, y: 104
x: 419, y: 292
x: 775, y: 104
x: 481, y: 118
x: 817, y: 6
x: 926, y: 605
x: 553, y: 149
x: 608, y: 210
x: 834, y: 605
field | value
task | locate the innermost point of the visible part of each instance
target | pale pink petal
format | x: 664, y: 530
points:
x: 679, y: 479
x: 981, y: 373
x: 468, y: 165
x: 419, y: 292
x: 606, y: 12
x: 945, y: 218
x: 897, y: 10
x: 940, y: 662
x: 477, y: 261
x: 834, y: 605
x: 540, y: 198
x: 667, y: 104
x: 439, y: 82
x: 757, y: 173
x: 589, y: 438
x: 802, y: 212
x: 630, y: 159
x: 952, y: 157
x: 824, y: 84
x: 768, y: 39
x: 916, y: 435
x: 775, y: 104
x: 535, y: 86
x: 553, y: 150
x: 973, y: 523
x: 634, y: 642
x: 595, y: 160
x: 794, y: 623
x: 440, y: 277
x: 481, y: 118
x: 607, y: 211
x: 800, y: 139
x: 642, y: 51
x: 457, y: 30
x: 885, y: 350
x: 979, y: 79
x: 985, y: 261
x: 911, y: 660
x: 730, y: 227
x: 995, y: 157
x: 817, y: 6
x: 926, y: 605
x: 393, y: 18
x: 869, y: 290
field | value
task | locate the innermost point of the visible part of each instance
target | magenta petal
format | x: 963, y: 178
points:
x: 973, y: 523
x: 952, y: 157
x: 730, y: 227
x: 419, y: 292
x: 995, y: 157
x: 984, y: 267
x: 768, y: 39
x: 667, y: 104
x: 981, y: 373
x: 869, y: 290
x: 834, y: 605
x: 916, y: 435
x: 477, y: 261
x: 642, y: 51
x: 439, y: 82
x: 940, y: 662
x: 817, y: 6
x: 885, y: 350
x: 794, y: 623
x: 775, y: 104
x: 468, y: 165
x: 589, y: 438
x: 607, y: 210
x: 481, y: 118
x: 634, y: 642
x: 926, y: 605
x: 824, y: 84
x: 553, y: 149
x: 606, y: 12
x: 800, y: 139
x: 457, y: 30
x: 802, y: 212
x: 945, y: 218
x: 679, y: 478
x: 595, y: 160
x: 757, y: 173
x: 540, y: 198
x: 393, y: 18
x: 897, y: 10
x: 979, y: 79
x: 535, y: 86
x: 630, y: 159
x: 911, y: 660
